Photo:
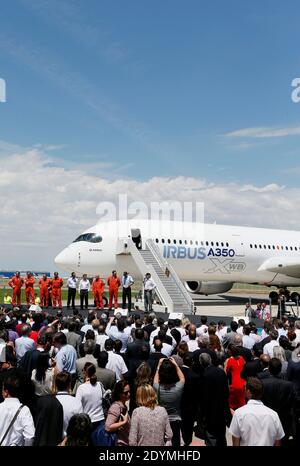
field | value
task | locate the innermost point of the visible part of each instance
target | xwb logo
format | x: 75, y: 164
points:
x: 2, y: 90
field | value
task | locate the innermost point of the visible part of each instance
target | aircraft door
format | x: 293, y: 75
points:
x: 136, y: 237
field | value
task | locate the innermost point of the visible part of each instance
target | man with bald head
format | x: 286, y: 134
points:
x: 265, y: 373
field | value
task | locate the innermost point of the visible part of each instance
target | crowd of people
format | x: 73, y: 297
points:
x: 118, y: 380
x: 50, y: 291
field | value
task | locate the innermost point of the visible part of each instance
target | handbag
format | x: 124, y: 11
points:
x: 106, y: 400
x: 102, y: 438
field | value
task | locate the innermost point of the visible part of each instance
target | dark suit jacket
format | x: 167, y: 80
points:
x: 261, y: 344
x: 245, y: 353
x: 214, y: 399
x: 133, y: 352
x: 190, y: 397
x: 251, y: 369
x: 197, y: 367
x: 279, y: 395
x: 149, y: 329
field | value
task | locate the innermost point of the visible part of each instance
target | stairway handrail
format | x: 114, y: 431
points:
x: 164, y: 263
x: 160, y: 289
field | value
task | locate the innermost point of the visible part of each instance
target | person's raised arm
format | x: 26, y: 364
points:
x: 178, y: 370
x: 156, y: 377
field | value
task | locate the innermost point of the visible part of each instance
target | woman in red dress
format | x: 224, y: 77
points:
x: 233, y: 368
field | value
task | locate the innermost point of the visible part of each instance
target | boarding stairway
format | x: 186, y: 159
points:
x: 170, y: 290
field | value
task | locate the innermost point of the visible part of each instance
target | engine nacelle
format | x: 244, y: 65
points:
x: 208, y: 287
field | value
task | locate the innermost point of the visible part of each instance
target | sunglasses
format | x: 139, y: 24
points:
x: 127, y: 391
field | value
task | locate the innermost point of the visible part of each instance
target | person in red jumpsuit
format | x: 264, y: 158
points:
x: 56, y: 284
x: 114, y: 283
x: 16, y: 283
x: 44, y: 285
x: 29, y: 290
x: 98, y: 288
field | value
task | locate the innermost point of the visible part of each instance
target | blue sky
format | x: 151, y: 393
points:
x: 140, y: 89
x: 164, y: 100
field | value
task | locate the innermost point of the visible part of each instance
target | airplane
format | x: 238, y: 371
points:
x: 208, y: 259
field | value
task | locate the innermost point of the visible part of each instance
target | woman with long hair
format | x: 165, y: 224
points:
x: 90, y: 395
x: 143, y: 376
x: 150, y: 425
x: 43, y: 375
x: 78, y: 431
x: 118, y: 420
x: 168, y: 384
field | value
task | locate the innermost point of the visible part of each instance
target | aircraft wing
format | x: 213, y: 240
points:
x: 284, y: 265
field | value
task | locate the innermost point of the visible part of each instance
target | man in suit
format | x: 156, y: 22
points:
x: 134, y: 349
x: 189, y: 400
x: 229, y: 336
x: 253, y: 367
x: 105, y: 376
x: 264, y: 373
x: 203, y: 343
x: 156, y: 356
x: 149, y: 326
x: 88, y: 348
x: 279, y: 395
x: 214, y: 409
x: 244, y: 352
x: 73, y: 338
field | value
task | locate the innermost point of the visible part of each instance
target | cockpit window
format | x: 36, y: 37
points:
x: 89, y: 237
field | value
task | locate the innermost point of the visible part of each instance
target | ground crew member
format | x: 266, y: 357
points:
x: 44, y: 285
x: 98, y: 289
x: 16, y: 283
x: 7, y: 299
x: 57, y: 284
x: 114, y: 283
x: 29, y: 291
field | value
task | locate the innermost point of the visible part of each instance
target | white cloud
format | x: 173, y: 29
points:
x: 45, y: 206
x: 264, y: 132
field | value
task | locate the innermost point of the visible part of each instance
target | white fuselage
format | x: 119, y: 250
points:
x: 206, y: 253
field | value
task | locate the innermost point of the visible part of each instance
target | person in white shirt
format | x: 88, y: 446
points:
x: 72, y: 285
x: 90, y: 395
x: 269, y: 347
x: 149, y: 286
x: 202, y: 330
x: 240, y: 329
x: 22, y: 431
x: 191, y: 339
x: 101, y: 337
x: 115, y: 361
x: 178, y: 326
x: 297, y: 331
x: 248, y: 342
x: 254, y: 424
x: 222, y: 330
x: 126, y: 282
x: 161, y: 325
x: 84, y: 288
x: 70, y: 404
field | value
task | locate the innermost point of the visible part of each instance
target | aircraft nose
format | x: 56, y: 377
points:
x: 65, y: 259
